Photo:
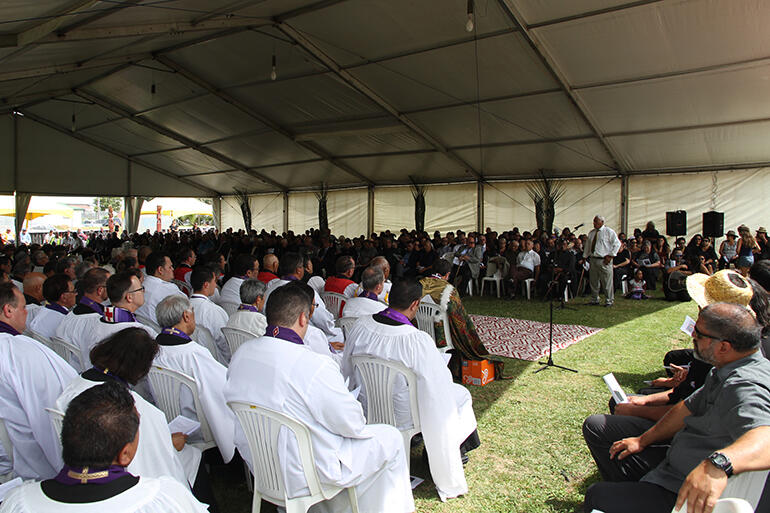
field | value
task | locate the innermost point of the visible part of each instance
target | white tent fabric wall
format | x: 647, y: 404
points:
x: 266, y: 212
x: 447, y: 207
x: 393, y: 208
x: 740, y: 194
x: 583, y: 199
x: 303, y: 211
x: 347, y: 212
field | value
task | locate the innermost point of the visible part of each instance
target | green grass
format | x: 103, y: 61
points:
x: 532, y: 457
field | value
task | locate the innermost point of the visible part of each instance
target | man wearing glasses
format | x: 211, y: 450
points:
x: 722, y: 429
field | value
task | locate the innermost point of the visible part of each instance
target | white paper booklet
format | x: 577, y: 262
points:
x: 617, y: 393
x: 182, y: 424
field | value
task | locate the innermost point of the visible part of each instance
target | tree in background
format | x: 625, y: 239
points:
x: 418, y: 192
x: 545, y: 193
x: 323, y: 216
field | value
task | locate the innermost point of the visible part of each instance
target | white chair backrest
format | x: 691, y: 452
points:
x: 742, y: 491
x: 229, y: 307
x: 71, y: 353
x: 183, y: 286
x: 236, y: 337
x: 346, y: 323
x: 166, y: 386
x: 43, y: 340
x: 429, y: 313
x: 492, y: 270
x: 262, y: 427
x: 204, y: 337
x: 148, y: 322
x: 317, y: 283
x: 5, y: 441
x: 57, y: 419
x: 333, y: 302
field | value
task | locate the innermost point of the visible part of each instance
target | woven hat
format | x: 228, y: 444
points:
x: 762, y: 229
x: 730, y: 233
x: 723, y: 287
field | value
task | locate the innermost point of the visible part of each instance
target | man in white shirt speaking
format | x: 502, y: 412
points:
x: 601, y: 247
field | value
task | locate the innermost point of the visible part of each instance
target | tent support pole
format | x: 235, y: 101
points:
x: 480, y: 206
x: 624, y: 203
x: 370, y: 209
x: 285, y: 211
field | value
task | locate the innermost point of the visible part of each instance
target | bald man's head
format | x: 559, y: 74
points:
x: 33, y: 285
x: 270, y: 263
x: 382, y: 263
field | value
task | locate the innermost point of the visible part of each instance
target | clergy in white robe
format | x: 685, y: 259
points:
x: 157, y: 284
x: 384, y: 266
x: 179, y: 352
x: 291, y: 268
x: 248, y: 317
x: 33, y: 284
x: 279, y: 372
x: 367, y: 302
x: 445, y: 408
x: 126, y: 295
x: 95, y: 476
x: 31, y: 377
x: 60, y: 294
x: 245, y: 266
x: 157, y: 454
x: 208, y: 314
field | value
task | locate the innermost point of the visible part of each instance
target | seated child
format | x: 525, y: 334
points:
x: 637, y: 286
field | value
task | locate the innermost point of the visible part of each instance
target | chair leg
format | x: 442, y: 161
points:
x: 256, y: 504
x: 249, y: 478
x: 353, y: 499
x: 498, y: 288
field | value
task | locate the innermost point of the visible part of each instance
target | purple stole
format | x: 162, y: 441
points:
x: 176, y: 333
x: 369, y: 295
x: 93, y: 305
x: 396, y: 316
x: 249, y: 308
x: 289, y: 277
x: 7, y: 328
x: 56, y: 307
x: 84, y: 475
x: 115, y: 314
x: 286, y: 334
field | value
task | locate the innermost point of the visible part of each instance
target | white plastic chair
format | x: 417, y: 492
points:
x: 147, y: 322
x: 624, y: 284
x: 236, y: 337
x: 346, y: 323
x: 567, y: 291
x: 166, y: 386
x: 317, y: 283
x: 333, y: 302
x: 427, y: 315
x: 379, y: 377
x: 741, y: 495
x: 183, y: 286
x: 204, y: 337
x: 262, y: 426
x: 5, y: 440
x: 229, y: 307
x: 71, y: 353
x: 43, y: 340
x: 494, y: 275
x: 57, y: 419
x: 528, y: 287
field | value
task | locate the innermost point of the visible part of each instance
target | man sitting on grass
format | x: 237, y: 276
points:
x: 722, y: 429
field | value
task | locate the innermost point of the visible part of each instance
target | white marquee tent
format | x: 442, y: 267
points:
x: 644, y: 105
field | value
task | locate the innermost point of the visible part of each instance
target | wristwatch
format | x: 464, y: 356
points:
x: 722, y: 462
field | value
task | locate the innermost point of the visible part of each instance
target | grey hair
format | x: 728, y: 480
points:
x: 251, y: 289
x: 169, y: 311
x: 600, y: 218
x: 371, y: 277
x: 733, y: 323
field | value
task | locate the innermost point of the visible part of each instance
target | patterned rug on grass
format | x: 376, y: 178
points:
x: 526, y: 340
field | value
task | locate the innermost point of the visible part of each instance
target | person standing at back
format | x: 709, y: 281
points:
x: 601, y: 247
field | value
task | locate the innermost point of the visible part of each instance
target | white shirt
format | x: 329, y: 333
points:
x: 155, y: 455
x: 149, y: 495
x: 528, y: 259
x: 446, y: 411
x: 210, y: 376
x: 607, y: 243
x: 231, y: 291
x: 46, y: 321
x: 99, y: 330
x: 155, y: 291
x: 294, y: 380
x: 31, y: 378
x: 212, y: 317
x: 382, y: 296
x: 253, y: 322
x: 359, y: 306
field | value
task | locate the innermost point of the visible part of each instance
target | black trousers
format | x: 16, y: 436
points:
x: 628, y: 498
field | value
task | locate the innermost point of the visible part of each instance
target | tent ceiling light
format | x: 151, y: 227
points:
x: 273, y: 74
x: 469, y: 23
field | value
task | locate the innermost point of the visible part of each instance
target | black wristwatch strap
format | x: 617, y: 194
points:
x: 722, y: 462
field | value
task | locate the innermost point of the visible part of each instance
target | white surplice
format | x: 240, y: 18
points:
x: 31, y: 378
x: 32, y: 311
x: 46, y: 321
x: 383, y: 296
x: 73, y: 328
x: 155, y: 291
x: 231, y: 291
x: 99, y: 330
x: 445, y: 423
x: 210, y: 376
x: 360, y: 306
x: 149, y: 495
x: 155, y: 455
x: 212, y: 317
x: 321, y: 318
x: 292, y: 379
x: 253, y: 322
x: 316, y: 340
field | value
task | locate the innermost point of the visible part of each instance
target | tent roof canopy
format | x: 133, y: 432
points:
x: 371, y: 93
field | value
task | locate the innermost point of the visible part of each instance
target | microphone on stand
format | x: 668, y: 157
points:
x: 578, y: 226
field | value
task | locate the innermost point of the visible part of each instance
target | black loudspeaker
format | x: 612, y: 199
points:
x: 676, y: 223
x: 713, y: 224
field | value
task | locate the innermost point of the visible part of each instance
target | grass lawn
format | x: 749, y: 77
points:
x: 532, y: 457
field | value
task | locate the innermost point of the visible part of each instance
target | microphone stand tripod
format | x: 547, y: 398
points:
x: 549, y: 363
